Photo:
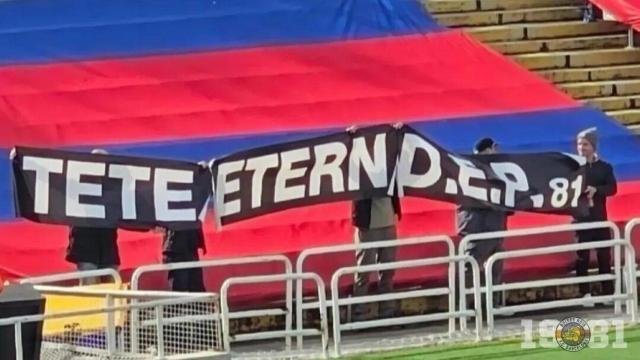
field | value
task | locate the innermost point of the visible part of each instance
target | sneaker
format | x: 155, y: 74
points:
x: 505, y: 313
x: 608, y: 303
x: 589, y: 304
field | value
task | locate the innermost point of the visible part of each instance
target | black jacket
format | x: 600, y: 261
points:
x: 182, y: 245
x: 361, y: 212
x: 600, y: 175
x: 473, y: 220
x: 93, y: 245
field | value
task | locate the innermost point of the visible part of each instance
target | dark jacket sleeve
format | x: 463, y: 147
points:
x: 397, y: 208
x: 610, y: 187
x: 361, y: 213
x: 201, y: 241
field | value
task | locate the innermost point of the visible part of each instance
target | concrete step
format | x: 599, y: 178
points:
x: 620, y: 72
x: 578, y: 59
x: 551, y: 30
x: 484, y: 18
x: 450, y: 6
x: 454, y: 6
x: 595, y: 89
x: 634, y: 129
x: 611, y: 103
x: 563, y: 44
x: 626, y: 117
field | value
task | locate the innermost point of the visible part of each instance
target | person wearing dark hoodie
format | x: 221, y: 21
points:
x: 473, y: 220
x: 601, y: 183
x: 93, y: 248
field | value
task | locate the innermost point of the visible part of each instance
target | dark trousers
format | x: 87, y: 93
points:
x: 373, y: 256
x: 604, y: 259
x: 481, y: 251
x: 188, y: 280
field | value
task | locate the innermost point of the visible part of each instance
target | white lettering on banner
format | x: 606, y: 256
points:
x: 376, y: 168
x: 467, y: 172
x: 224, y: 187
x: 75, y: 188
x: 259, y: 165
x: 560, y: 187
x: 322, y: 167
x: 286, y: 173
x: 410, y: 145
x: 576, y: 185
x: 514, y: 179
x: 129, y: 175
x: 43, y: 167
x: 163, y: 196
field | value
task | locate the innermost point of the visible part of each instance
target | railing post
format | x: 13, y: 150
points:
x: 224, y: 317
x: 452, y: 296
x: 135, y: 324
x: 335, y: 308
x: 488, y: 280
x: 160, y: 330
x: 299, y: 301
x: 618, y: 285
x: 111, y: 326
x: 462, y: 295
x: 17, y: 331
x: 289, y: 315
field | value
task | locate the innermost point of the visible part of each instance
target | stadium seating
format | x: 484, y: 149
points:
x: 589, y: 61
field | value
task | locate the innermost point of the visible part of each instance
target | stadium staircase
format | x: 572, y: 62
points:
x: 592, y: 61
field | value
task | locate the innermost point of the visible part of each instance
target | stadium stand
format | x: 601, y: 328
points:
x: 199, y: 79
x: 594, y: 62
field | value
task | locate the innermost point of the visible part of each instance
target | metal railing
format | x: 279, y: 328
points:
x: 628, y: 235
x: 113, y: 346
x: 628, y: 231
x: 288, y: 332
x: 74, y: 275
x: 462, y: 248
x: 630, y: 296
x: 305, y: 254
x: 451, y: 314
x: 139, y: 272
x: 135, y: 277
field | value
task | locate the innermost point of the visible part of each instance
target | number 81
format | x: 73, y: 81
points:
x: 560, y: 187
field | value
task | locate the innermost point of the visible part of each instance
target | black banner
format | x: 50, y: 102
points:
x: 541, y: 182
x: 106, y: 191
x: 335, y: 167
x: 380, y: 160
x: 81, y: 189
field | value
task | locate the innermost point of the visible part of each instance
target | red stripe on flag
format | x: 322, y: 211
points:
x: 417, y: 77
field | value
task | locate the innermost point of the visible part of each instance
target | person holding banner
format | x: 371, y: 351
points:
x: 93, y: 248
x: 375, y: 219
x: 183, y: 246
x: 601, y: 183
x: 472, y: 220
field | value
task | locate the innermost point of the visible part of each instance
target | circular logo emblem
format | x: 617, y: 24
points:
x: 573, y: 334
